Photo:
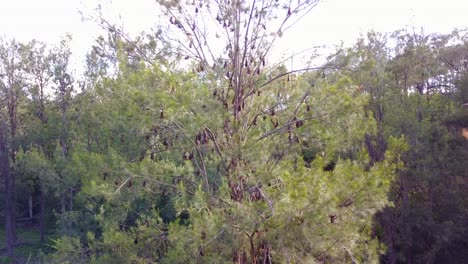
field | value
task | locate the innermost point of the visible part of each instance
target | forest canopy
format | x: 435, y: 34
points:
x: 188, y: 145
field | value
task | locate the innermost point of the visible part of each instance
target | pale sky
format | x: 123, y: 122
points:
x: 331, y: 22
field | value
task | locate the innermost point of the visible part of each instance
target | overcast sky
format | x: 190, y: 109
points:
x: 331, y: 22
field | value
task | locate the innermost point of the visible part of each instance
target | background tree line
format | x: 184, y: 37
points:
x: 188, y: 145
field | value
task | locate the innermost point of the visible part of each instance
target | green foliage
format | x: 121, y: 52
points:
x: 30, y: 246
x: 68, y: 250
x: 36, y: 169
x: 170, y: 176
x: 229, y: 159
x: 6, y: 260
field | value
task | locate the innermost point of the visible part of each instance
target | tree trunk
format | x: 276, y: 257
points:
x: 30, y: 206
x: 13, y: 120
x: 63, y: 202
x: 12, y: 183
x: 42, y: 217
x: 13, y: 208
x: 42, y: 198
x: 63, y: 145
x: 70, y: 207
x: 9, y: 206
x: 376, y: 147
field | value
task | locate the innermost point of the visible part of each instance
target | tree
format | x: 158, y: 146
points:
x: 418, y: 88
x: 8, y: 196
x: 187, y: 144
x: 38, y: 174
x: 38, y: 68
x: 250, y: 158
x: 63, y: 88
x: 12, y: 93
